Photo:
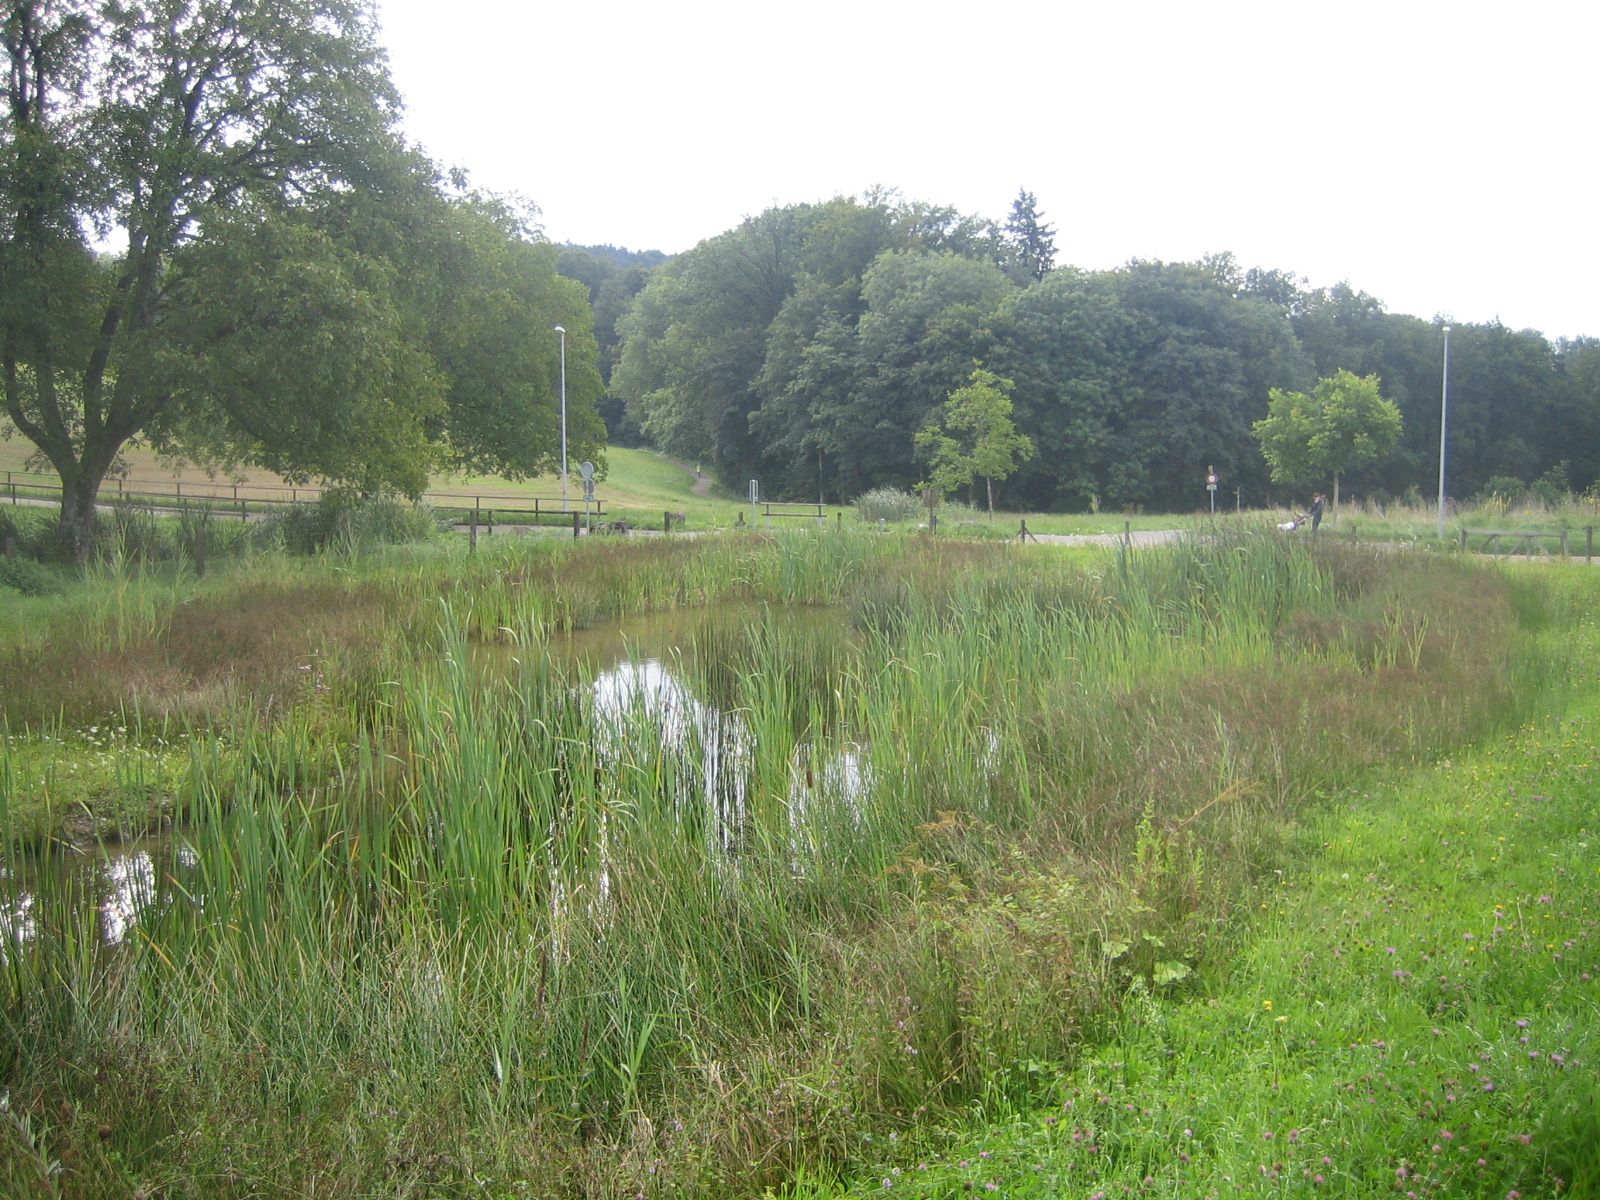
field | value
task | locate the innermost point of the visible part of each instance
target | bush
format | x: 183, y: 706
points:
x: 1553, y: 489
x: 345, y: 521
x: 887, y: 504
x: 34, y: 530
x: 29, y: 577
x: 1507, y: 489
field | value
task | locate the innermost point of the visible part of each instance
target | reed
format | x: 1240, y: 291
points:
x: 679, y: 928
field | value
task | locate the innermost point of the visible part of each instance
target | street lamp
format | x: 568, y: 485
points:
x: 563, y: 333
x: 1444, y: 416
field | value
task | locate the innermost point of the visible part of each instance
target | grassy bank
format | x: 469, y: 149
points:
x: 438, y: 924
x: 1410, y: 1010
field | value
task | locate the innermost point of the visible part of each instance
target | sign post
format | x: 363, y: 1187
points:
x: 586, y: 470
x: 755, y: 496
x: 1211, y: 486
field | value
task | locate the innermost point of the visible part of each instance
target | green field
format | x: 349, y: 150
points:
x: 638, y: 486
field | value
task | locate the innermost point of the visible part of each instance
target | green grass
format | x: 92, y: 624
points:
x: 441, y: 929
x: 1409, y: 1009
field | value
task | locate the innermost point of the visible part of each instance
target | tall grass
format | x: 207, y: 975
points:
x: 685, y: 938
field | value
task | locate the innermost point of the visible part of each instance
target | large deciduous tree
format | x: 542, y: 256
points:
x: 1342, y: 423
x: 187, y: 252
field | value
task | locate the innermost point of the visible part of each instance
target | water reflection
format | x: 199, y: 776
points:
x: 115, y: 888
x: 643, y: 708
x: 667, y: 709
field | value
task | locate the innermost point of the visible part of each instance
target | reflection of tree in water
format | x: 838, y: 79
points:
x: 115, y: 889
x: 644, y: 714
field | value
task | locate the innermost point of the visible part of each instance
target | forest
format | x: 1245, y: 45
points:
x: 806, y: 347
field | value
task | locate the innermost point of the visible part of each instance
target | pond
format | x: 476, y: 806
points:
x: 645, y: 687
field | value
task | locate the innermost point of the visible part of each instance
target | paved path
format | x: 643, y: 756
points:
x: 1138, y: 537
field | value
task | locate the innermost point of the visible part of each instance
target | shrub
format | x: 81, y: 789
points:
x: 887, y: 504
x: 34, y: 530
x: 1507, y: 489
x: 29, y: 577
x: 1553, y: 489
x: 345, y: 521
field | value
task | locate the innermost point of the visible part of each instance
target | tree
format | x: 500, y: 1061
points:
x: 1342, y: 423
x: 973, y: 434
x: 265, y: 304
x: 1032, y: 242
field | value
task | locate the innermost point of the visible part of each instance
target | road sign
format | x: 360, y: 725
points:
x: 586, y: 469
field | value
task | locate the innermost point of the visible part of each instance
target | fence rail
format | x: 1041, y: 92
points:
x: 814, y: 511
x: 1524, y: 541
x: 239, y: 499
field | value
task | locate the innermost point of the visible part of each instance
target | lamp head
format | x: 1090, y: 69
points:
x: 558, y: 329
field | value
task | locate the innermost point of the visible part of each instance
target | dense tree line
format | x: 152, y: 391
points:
x: 614, y: 275
x: 807, y: 346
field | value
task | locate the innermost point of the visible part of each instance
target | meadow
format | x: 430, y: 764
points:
x: 889, y: 831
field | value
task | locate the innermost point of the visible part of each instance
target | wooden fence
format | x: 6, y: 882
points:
x: 1524, y: 541
x: 242, y: 499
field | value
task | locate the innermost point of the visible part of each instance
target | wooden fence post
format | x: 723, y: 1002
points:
x: 1463, y: 540
x: 574, y: 524
x: 666, y: 522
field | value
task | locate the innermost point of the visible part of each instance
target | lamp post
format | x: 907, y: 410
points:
x: 1444, y: 416
x: 563, y: 333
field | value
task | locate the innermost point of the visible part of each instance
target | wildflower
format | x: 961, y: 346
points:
x: 1267, y: 1004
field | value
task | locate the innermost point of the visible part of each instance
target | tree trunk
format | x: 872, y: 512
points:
x: 1336, y: 499
x: 988, y: 482
x: 79, y: 491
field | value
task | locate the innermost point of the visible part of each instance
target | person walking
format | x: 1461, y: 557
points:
x: 1315, y: 512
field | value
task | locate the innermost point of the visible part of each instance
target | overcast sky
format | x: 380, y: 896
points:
x: 1437, y: 156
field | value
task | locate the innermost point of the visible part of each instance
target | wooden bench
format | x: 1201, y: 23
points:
x: 814, y: 511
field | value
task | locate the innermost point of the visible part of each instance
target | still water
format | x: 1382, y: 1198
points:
x: 637, y: 692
